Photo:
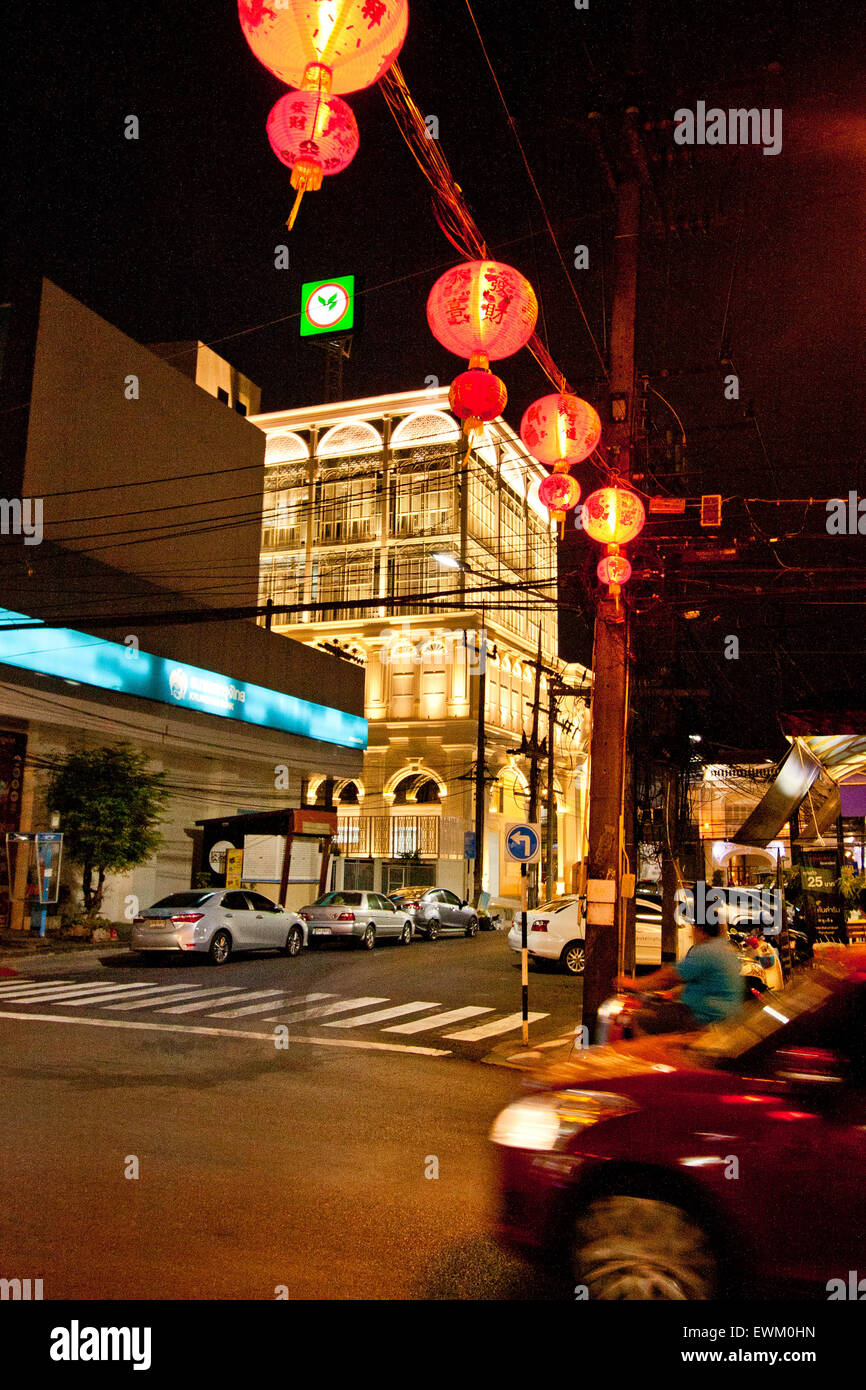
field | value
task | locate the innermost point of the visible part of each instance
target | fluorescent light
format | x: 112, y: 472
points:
x: 446, y: 559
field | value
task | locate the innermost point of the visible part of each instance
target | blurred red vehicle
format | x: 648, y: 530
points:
x: 696, y: 1166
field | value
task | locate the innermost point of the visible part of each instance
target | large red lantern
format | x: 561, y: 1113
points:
x: 477, y: 396
x: 314, y: 135
x: 483, y: 310
x: 560, y: 428
x: 332, y: 46
x: 613, y: 569
x: 612, y: 515
x: 559, y: 492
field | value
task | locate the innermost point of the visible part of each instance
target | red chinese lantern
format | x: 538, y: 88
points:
x: 482, y: 310
x: 560, y: 429
x: 613, y: 569
x: 332, y: 46
x: 313, y: 135
x: 612, y: 515
x: 559, y: 492
x: 477, y: 396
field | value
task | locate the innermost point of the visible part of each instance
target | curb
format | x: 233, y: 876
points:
x: 515, y: 1057
x: 24, y: 955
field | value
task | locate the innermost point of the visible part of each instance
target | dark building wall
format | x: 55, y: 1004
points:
x: 190, y: 471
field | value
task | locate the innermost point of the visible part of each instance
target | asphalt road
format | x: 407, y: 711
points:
x: 339, y: 1159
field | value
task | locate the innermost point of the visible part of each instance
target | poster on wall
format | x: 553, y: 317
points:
x: 822, y: 903
x: 13, y: 751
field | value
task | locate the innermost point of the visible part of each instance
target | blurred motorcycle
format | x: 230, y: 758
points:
x: 760, y: 967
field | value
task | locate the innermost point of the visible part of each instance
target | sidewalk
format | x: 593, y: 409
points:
x: 23, y: 948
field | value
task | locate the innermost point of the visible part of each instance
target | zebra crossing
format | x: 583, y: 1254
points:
x: 468, y: 1023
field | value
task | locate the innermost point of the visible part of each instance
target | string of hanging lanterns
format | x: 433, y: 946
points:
x: 614, y: 516
x: 323, y: 49
x: 560, y: 430
x: 481, y: 310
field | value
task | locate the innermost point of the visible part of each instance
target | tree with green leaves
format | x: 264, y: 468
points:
x: 109, y: 803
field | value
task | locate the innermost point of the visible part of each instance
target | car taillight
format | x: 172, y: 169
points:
x: 346, y: 917
x: 540, y: 924
x: 305, y: 916
x: 187, y: 917
x: 411, y: 904
x: 137, y: 919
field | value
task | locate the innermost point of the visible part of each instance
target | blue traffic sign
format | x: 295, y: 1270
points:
x: 523, y: 842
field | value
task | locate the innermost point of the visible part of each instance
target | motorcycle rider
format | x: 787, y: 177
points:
x: 710, y: 972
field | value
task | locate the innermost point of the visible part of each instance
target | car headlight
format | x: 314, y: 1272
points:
x: 544, y: 1122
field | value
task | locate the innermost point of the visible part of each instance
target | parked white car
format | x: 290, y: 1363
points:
x: 557, y: 932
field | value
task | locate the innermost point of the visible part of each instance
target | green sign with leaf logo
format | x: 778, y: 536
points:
x: 328, y: 306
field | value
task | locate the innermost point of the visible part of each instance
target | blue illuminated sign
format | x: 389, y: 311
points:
x: 76, y: 656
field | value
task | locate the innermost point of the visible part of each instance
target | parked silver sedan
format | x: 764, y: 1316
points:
x: 437, y: 912
x: 218, y: 922
x: 365, y: 916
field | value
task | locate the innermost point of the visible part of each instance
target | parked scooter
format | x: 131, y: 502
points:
x: 761, y: 967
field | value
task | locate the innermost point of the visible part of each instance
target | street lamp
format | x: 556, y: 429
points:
x: 447, y: 560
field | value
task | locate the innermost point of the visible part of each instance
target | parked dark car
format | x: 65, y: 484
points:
x: 642, y: 1169
x: 437, y: 912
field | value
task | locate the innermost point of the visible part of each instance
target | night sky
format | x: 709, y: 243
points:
x: 172, y: 236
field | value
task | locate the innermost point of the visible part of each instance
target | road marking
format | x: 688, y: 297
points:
x: 67, y: 993
x: 269, y: 1004
x: 105, y: 992
x: 209, y: 1003
x: 224, y: 1033
x: 383, y: 1013
x: 169, y: 995
x: 498, y: 1025
x: 9, y: 991
x: 324, y: 1009
x: 452, y: 1016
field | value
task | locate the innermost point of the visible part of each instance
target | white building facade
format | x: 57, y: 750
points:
x: 360, y: 497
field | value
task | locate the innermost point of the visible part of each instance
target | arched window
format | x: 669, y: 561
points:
x: 416, y: 788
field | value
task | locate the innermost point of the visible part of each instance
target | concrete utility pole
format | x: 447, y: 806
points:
x: 552, y: 823
x: 480, y: 755
x: 610, y: 656
x: 534, y: 751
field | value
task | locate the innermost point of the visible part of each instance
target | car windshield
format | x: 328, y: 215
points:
x: 190, y: 899
x: 339, y: 900
x: 555, y: 905
x: 409, y: 893
x: 760, y: 1020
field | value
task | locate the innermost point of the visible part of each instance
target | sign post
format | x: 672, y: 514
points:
x: 523, y: 845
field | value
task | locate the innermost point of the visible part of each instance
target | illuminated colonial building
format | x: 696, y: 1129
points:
x: 360, y: 496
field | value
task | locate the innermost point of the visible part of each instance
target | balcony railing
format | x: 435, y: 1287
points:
x: 391, y: 837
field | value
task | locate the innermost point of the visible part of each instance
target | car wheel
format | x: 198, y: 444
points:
x: 294, y: 942
x: 432, y: 931
x: 629, y: 1248
x: 472, y: 927
x: 406, y: 934
x: 368, y: 940
x: 573, y: 958
x: 220, y: 948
